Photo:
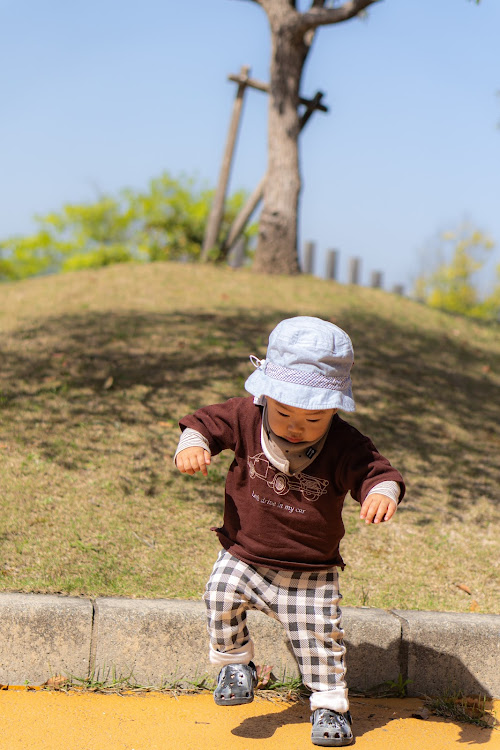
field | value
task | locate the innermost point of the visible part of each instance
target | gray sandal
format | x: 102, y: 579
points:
x: 330, y: 728
x: 235, y: 684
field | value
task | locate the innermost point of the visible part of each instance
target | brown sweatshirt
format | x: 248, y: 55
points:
x: 280, y: 521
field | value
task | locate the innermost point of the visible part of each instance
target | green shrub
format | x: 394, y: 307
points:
x: 451, y: 285
x: 165, y: 222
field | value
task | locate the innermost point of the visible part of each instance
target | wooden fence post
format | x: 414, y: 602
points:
x: 308, y: 259
x: 376, y: 279
x: 398, y: 289
x: 332, y: 262
x: 354, y: 268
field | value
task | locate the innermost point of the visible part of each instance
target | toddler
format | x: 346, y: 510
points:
x: 294, y: 461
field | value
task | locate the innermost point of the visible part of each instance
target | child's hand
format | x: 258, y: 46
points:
x: 377, y: 508
x: 193, y: 459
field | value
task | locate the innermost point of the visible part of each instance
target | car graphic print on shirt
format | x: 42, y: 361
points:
x: 311, y: 487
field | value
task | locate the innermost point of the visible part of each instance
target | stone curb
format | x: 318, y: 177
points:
x: 157, y: 641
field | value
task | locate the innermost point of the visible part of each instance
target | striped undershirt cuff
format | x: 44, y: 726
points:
x: 390, y: 489
x: 190, y: 439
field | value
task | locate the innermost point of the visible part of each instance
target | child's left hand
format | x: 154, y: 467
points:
x: 377, y: 508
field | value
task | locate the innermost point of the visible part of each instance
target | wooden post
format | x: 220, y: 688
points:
x: 311, y: 106
x: 398, y: 289
x: 376, y: 279
x: 217, y: 210
x: 332, y: 262
x: 244, y: 215
x: 253, y: 201
x: 260, y: 86
x: 354, y: 267
x: 236, y: 257
x: 308, y: 259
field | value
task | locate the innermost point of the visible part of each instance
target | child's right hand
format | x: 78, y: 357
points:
x: 193, y: 459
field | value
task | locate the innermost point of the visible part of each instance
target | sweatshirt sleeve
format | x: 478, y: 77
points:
x: 218, y: 424
x: 363, y: 467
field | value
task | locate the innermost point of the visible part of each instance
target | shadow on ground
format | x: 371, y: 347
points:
x: 448, y: 675
x: 424, y: 394
x: 382, y: 712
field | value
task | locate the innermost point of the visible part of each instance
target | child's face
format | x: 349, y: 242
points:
x: 298, y: 425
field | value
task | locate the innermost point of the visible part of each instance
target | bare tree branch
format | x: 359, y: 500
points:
x: 321, y: 16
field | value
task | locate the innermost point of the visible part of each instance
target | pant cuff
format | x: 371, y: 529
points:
x: 242, y: 655
x: 336, y: 700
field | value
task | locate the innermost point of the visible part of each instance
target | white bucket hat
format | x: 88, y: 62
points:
x: 307, y: 365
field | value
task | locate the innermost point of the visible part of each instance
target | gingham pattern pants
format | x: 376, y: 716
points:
x: 305, y: 602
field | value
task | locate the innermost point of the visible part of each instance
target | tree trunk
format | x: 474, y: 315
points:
x: 277, y: 241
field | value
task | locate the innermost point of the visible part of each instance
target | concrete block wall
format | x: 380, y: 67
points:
x: 154, y: 642
x: 41, y: 636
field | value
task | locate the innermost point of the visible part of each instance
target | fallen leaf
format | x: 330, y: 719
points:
x: 474, y: 606
x: 463, y: 587
x: 422, y: 713
x: 263, y: 675
x: 109, y: 382
x: 56, y: 682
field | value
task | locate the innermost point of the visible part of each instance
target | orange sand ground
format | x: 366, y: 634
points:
x: 32, y: 720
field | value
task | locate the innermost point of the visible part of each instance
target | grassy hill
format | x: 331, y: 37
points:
x: 97, y: 367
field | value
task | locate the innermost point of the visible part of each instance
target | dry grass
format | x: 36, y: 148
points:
x: 97, y: 367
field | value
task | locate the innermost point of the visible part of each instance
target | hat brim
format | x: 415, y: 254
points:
x: 300, y: 396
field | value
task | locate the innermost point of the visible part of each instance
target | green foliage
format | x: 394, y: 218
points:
x: 104, y: 256
x: 399, y: 687
x: 165, y: 222
x: 172, y: 217
x: 451, y: 285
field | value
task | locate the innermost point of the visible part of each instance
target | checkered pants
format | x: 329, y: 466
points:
x: 305, y: 602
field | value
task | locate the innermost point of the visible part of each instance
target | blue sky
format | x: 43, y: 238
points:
x: 105, y: 94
